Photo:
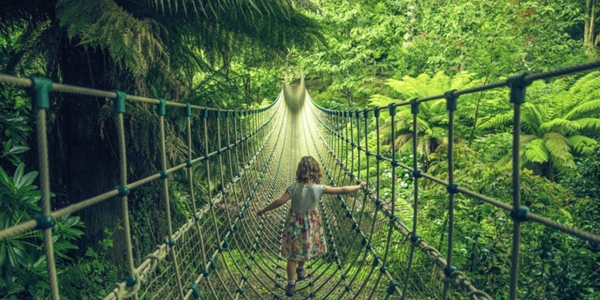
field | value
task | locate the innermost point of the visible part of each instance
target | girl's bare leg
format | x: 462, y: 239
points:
x: 291, y: 269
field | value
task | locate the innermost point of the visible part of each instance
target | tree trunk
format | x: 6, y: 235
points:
x: 349, y: 97
x: 589, y: 37
x: 83, y: 163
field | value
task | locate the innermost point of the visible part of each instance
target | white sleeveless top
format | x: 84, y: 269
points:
x: 305, y: 198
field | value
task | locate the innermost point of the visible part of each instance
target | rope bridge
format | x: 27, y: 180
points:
x: 224, y: 251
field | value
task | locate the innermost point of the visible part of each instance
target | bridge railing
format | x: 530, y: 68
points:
x: 340, y: 128
x: 236, y: 148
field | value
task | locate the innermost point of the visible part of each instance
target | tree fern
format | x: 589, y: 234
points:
x: 169, y: 42
x: 585, y: 109
x: 381, y: 100
x: 135, y: 44
x: 582, y: 144
x: 590, y: 124
x: 462, y: 80
x: 536, y: 152
x: 439, y: 82
x: 560, y: 150
x: 497, y: 121
x: 531, y: 118
x: 586, y: 84
x: 563, y: 126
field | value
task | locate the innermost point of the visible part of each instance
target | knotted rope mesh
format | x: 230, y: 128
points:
x: 224, y: 251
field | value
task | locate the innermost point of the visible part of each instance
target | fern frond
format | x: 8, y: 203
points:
x: 531, y: 118
x: 407, y: 146
x: 558, y: 85
x: 439, y: 83
x: 381, y: 100
x: 535, y: 151
x: 561, y: 103
x: 588, y: 123
x: 401, y: 87
x: 422, y: 125
x: 499, y: 120
x: 439, y: 119
x: 526, y: 138
x: 439, y: 133
x: 585, y: 109
x: 563, y: 164
x: 462, y: 80
x: 395, y: 84
x: 587, y: 83
x: 402, y: 139
x: 582, y: 144
x: 133, y: 43
x: 558, y: 146
x: 436, y: 107
x: 420, y: 84
x: 564, y: 127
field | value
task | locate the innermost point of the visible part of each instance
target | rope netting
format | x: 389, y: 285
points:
x: 225, y: 251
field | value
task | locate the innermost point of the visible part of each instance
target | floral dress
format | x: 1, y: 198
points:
x: 302, y: 236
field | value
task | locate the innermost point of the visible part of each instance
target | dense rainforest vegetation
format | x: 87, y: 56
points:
x: 353, y: 54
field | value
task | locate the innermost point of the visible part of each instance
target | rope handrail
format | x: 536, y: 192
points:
x: 455, y: 93
x: 223, y: 250
x: 497, y: 203
x: 72, y: 89
x: 518, y: 213
x: 459, y: 279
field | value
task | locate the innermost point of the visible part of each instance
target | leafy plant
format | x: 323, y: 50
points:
x: 558, y: 126
x: 22, y: 260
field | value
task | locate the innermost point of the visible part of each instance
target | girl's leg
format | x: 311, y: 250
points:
x: 300, y: 270
x: 291, y: 269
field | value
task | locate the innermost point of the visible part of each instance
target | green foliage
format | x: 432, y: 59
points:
x: 132, y: 43
x: 14, y: 125
x: 432, y: 120
x: 557, y: 122
x: 22, y: 262
x: 483, y: 233
x: 361, y: 36
x: 159, y: 46
x: 87, y: 276
x: 23, y: 270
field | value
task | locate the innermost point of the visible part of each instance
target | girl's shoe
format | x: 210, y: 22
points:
x: 290, y: 289
x: 301, y: 273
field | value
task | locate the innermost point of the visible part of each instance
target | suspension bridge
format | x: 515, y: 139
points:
x: 225, y: 251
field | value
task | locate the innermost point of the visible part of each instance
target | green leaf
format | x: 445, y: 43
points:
x: 28, y: 179
x: 18, y: 149
x: 5, y: 179
x: 17, y: 178
x: 61, y: 248
x: 14, y: 288
x: 2, y: 253
x: 531, y: 118
x: 7, y: 145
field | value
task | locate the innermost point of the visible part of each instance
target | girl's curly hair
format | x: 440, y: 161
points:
x: 308, y: 170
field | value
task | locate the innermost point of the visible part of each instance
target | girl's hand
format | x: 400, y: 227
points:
x: 260, y: 212
x: 362, y: 184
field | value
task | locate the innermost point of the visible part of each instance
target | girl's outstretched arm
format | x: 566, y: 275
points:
x: 275, y: 204
x: 344, y: 189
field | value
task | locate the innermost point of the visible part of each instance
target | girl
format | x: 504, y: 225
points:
x: 303, y: 236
